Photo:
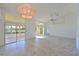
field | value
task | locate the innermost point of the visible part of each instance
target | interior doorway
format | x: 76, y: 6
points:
x: 40, y: 29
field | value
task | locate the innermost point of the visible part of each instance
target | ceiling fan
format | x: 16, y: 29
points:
x: 57, y: 18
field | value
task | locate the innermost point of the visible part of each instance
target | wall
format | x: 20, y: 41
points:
x: 1, y: 27
x: 77, y: 34
x: 66, y: 29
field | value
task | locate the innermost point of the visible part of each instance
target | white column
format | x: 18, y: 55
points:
x: 77, y: 33
x: 30, y: 29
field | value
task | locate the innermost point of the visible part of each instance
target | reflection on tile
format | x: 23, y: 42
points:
x: 10, y: 38
x: 17, y: 44
x: 48, y: 46
x: 37, y: 41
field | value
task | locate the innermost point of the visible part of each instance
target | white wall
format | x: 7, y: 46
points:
x: 1, y: 32
x: 77, y: 30
x: 77, y: 33
x: 1, y: 27
x: 66, y: 29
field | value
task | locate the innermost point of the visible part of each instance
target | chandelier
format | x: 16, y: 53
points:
x: 26, y: 11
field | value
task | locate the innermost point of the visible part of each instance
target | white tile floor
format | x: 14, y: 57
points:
x: 48, y: 46
x: 9, y: 38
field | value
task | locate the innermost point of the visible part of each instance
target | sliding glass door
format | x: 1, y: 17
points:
x: 10, y: 33
x: 14, y: 33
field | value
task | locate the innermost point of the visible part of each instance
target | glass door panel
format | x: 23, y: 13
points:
x: 10, y: 34
x: 20, y: 32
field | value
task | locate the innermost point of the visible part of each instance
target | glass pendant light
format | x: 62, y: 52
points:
x: 26, y: 11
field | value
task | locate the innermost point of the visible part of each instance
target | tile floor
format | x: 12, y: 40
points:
x: 48, y: 46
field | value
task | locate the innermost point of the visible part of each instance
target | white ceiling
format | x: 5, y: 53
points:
x: 39, y: 7
x: 42, y: 9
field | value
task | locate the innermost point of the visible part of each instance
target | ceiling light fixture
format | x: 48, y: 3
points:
x: 26, y: 11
